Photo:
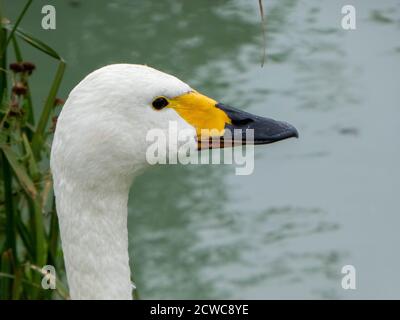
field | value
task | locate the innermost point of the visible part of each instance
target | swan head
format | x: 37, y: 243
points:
x: 102, y: 131
x: 100, y: 144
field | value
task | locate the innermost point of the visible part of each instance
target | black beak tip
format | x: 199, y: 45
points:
x: 284, y: 131
x: 293, y: 132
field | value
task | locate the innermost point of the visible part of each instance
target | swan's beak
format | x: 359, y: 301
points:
x: 264, y: 130
x: 219, y: 125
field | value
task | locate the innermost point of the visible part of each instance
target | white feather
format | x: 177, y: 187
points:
x: 99, y: 147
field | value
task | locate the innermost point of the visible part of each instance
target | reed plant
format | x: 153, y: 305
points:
x: 29, y: 234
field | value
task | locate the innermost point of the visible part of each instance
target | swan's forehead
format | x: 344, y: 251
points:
x: 151, y: 83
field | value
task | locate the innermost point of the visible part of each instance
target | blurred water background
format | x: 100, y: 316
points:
x: 312, y: 205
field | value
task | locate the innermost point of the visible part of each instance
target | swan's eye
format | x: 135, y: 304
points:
x: 160, y: 103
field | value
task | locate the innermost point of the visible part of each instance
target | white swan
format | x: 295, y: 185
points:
x: 99, y: 147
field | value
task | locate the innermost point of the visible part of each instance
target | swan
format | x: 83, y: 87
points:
x: 99, y: 146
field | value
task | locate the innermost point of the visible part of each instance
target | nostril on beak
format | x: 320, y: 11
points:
x: 242, y: 122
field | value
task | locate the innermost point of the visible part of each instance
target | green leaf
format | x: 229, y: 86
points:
x: 5, y: 282
x: 19, y: 170
x: 41, y: 244
x: 21, y: 15
x: 25, y: 236
x: 3, y: 63
x: 16, y: 288
x: 38, y: 137
x: 33, y: 167
x: 34, y: 42
x: 9, y: 207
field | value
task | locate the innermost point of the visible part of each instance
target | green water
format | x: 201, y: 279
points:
x: 312, y: 205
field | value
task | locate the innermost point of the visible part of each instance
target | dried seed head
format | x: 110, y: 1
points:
x: 28, y: 66
x: 19, y: 89
x: 58, y: 102
x: 53, y: 124
x: 15, y: 110
x: 16, y: 67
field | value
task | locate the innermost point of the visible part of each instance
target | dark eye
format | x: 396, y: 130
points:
x: 160, y: 103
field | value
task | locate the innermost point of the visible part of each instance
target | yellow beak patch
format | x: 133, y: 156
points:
x: 200, y: 112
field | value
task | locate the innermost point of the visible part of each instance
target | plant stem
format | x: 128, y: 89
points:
x: 38, y: 137
x: 21, y: 15
x: 3, y: 58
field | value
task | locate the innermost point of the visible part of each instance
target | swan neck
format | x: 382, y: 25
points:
x: 94, y: 235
